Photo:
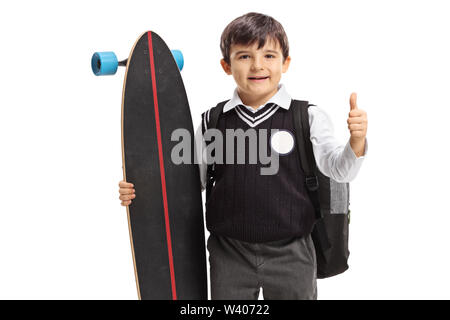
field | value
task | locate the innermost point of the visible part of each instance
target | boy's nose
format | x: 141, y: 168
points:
x: 257, y: 63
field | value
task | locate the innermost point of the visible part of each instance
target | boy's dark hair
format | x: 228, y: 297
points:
x: 250, y: 28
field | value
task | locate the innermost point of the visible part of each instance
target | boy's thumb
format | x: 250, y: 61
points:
x: 353, y: 105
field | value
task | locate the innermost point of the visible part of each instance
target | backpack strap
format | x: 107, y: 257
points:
x: 209, y: 121
x: 308, y: 163
x: 307, y: 160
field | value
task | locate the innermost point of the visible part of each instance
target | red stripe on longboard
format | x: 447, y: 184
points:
x: 161, y: 166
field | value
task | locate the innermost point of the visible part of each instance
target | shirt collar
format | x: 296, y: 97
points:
x: 281, y: 98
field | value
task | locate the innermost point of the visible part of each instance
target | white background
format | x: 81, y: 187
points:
x: 63, y: 234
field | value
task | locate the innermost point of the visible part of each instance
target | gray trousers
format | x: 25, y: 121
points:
x: 284, y: 269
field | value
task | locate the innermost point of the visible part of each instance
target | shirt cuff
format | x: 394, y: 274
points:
x: 350, y: 154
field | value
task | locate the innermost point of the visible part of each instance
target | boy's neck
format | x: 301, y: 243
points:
x: 256, y: 101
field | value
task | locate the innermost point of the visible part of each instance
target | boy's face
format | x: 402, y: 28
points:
x: 257, y: 72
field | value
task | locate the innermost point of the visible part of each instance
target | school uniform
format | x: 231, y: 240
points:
x: 260, y: 225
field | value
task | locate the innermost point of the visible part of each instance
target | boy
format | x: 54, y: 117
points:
x: 260, y: 224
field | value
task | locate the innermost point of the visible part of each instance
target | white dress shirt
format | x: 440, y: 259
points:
x: 333, y: 159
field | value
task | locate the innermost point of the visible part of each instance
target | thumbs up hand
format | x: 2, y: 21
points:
x: 357, y: 125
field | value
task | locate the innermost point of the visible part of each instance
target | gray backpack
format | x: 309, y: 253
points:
x: 330, y: 198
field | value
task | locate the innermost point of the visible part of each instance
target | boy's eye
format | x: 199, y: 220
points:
x: 246, y: 56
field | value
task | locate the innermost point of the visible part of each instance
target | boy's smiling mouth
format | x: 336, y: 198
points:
x: 258, y: 79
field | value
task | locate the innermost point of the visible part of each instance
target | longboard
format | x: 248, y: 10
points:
x: 166, y: 217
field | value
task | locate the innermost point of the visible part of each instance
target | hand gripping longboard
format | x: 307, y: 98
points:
x: 166, y: 217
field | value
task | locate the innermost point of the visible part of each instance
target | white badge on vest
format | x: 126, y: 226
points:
x: 282, y: 142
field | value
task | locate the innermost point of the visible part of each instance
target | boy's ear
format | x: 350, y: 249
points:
x: 226, y: 67
x: 286, y: 64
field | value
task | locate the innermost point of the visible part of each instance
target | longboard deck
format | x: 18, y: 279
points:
x: 166, y: 217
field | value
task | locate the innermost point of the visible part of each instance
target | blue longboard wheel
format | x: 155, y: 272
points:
x: 104, y: 63
x: 178, y: 55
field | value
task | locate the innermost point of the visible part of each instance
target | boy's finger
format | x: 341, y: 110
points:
x: 353, y: 105
x: 357, y: 113
x: 124, y: 184
x: 126, y: 203
x: 355, y: 126
x: 355, y: 120
x: 127, y: 197
x: 126, y: 191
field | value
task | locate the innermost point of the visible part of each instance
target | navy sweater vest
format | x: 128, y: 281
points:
x: 251, y: 207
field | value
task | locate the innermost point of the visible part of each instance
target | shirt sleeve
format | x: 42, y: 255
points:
x: 333, y: 159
